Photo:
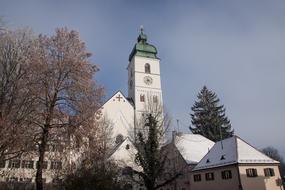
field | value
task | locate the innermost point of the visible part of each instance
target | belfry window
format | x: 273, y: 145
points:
x: 147, y: 68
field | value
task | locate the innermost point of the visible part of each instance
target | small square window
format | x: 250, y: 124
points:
x: 269, y: 172
x: 14, y: 164
x: 197, y: 177
x: 28, y: 164
x: 56, y: 165
x: 227, y: 174
x: 251, y: 172
x: 209, y: 176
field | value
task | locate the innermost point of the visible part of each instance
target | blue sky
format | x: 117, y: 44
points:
x: 236, y: 48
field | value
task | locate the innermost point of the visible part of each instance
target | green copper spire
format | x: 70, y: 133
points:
x: 142, y: 48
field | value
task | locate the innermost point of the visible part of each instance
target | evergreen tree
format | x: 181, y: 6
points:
x: 208, y: 118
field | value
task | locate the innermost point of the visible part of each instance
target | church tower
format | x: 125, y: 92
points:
x: 144, y: 84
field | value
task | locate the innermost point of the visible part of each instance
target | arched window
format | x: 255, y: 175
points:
x: 147, y: 68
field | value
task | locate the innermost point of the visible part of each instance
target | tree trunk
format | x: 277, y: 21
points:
x: 42, y: 148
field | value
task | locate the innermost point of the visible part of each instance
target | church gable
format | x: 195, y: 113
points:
x: 124, y: 154
x: 117, y: 98
x: 120, y: 112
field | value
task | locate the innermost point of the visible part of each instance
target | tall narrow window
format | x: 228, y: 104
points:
x: 2, y: 163
x: 142, y: 99
x: 155, y: 99
x: 131, y: 72
x: 147, y: 68
x: 131, y: 83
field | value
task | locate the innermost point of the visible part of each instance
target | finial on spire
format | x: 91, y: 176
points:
x: 142, y: 37
x: 141, y: 28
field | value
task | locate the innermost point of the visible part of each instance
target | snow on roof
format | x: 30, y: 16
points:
x: 124, y: 155
x: 230, y: 151
x: 192, y: 147
x: 249, y: 154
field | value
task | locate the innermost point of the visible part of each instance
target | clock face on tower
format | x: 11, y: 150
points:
x: 147, y: 80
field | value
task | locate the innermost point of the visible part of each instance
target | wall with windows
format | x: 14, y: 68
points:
x: 252, y: 177
x: 223, y: 178
x: 22, y: 171
x: 261, y: 177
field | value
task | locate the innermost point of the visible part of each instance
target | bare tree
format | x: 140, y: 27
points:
x: 65, y: 94
x: 16, y: 100
x: 96, y: 171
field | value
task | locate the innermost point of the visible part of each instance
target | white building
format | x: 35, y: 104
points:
x: 234, y: 164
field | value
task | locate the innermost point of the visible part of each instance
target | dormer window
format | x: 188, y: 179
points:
x: 208, y: 161
x: 147, y: 68
x: 223, y: 157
